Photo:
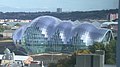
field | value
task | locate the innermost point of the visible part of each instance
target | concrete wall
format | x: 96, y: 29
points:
x: 90, y: 60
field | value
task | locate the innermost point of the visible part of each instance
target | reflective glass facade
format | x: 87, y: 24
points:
x: 50, y: 34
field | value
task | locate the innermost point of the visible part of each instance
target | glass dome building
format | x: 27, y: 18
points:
x: 50, y: 34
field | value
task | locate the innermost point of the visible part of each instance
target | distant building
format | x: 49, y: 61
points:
x: 8, y: 33
x: 13, y: 20
x: 113, y: 16
x: 59, y: 10
x: 111, y: 25
x: 15, y: 27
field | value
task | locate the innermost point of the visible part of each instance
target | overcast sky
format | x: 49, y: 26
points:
x: 51, y: 5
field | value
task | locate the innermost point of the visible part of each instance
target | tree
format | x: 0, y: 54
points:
x: 110, y: 51
x: 17, y: 24
x: 52, y: 65
x: 71, y: 60
x: 96, y: 46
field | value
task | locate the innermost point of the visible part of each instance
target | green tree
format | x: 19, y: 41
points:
x: 96, y: 46
x: 71, y: 60
x: 17, y: 24
x: 52, y: 65
x: 110, y: 51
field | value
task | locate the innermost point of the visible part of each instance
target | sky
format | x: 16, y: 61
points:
x: 52, y: 5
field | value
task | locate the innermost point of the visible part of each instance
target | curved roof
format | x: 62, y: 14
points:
x: 44, y: 21
x: 46, y: 24
x: 64, y: 29
x: 97, y: 24
x: 49, y: 25
x: 17, y: 35
x: 89, y: 33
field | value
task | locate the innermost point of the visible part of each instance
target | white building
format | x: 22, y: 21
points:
x: 8, y: 33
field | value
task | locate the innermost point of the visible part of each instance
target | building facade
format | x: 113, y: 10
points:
x: 8, y: 33
x: 50, y: 34
x: 59, y: 10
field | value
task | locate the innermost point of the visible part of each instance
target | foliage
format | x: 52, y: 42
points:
x: 82, y: 52
x: 110, y: 57
x: 110, y: 51
x: 2, y: 28
x: 69, y: 61
x: 17, y: 24
x: 110, y: 54
x: 52, y: 65
x: 97, y: 46
x: 76, y: 15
